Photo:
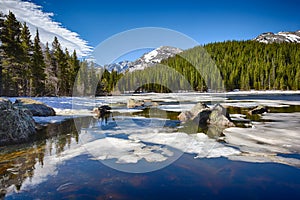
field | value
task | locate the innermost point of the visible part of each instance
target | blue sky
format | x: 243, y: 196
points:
x: 204, y: 21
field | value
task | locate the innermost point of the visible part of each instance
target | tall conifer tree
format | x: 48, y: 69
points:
x: 38, y: 68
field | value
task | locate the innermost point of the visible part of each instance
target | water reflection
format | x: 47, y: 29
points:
x: 142, y: 140
x: 18, y: 163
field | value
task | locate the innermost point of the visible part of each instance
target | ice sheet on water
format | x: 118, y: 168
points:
x: 264, y: 141
x: 198, y: 144
x: 125, y: 110
x: 176, y: 108
x: 240, y: 104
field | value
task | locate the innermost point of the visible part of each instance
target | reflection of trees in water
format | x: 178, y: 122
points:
x: 17, y: 162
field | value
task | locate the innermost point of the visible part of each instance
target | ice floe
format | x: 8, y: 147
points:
x: 264, y: 141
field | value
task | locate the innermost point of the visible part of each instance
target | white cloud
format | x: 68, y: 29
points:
x: 35, y: 18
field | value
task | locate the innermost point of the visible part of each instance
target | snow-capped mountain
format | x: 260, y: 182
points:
x: 153, y: 57
x: 291, y: 37
x: 119, y: 66
x: 148, y: 59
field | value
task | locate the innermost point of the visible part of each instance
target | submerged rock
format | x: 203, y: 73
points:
x: 258, y: 110
x: 36, y: 108
x: 15, y: 124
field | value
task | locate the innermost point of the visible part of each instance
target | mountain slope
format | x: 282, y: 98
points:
x: 120, y: 67
x: 280, y: 37
x: 154, y: 57
x: 148, y: 59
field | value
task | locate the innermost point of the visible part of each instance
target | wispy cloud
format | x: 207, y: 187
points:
x: 33, y: 15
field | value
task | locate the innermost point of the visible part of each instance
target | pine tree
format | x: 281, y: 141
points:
x: 56, y: 52
x: 50, y: 73
x: 38, y: 68
x: 12, y: 55
x: 73, y: 65
x: 60, y: 61
x: 26, y: 45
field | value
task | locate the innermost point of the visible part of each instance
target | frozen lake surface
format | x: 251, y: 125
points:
x: 138, y: 152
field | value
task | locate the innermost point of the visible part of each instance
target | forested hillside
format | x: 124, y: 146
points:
x: 242, y: 65
x: 253, y: 65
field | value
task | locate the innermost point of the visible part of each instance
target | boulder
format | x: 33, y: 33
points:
x: 191, y: 114
x: 258, y: 110
x: 133, y: 103
x: 102, y: 110
x: 16, y: 125
x: 219, y: 116
x: 202, y: 118
x: 36, y: 108
x: 203, y: 115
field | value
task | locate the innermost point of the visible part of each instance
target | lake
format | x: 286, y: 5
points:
x: 148, y: 154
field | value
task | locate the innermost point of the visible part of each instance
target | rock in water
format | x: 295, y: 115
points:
x: 219, y: 116
x: 36, y: 108
x: 203, y: 115
x: 102, y: 111
x: 15, y: 124
x: 258, y: 110
x: 191, y: 114
x: 133, y: 103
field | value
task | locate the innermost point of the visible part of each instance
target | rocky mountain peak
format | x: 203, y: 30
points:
x: 280, y: 37
x: 148, y: 59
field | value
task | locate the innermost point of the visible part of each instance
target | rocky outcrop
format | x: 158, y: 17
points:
x: 36, y: 108
x: 15, y: 124
x: 258, y: 110
x: 203, y: 115
x: 280, y: 37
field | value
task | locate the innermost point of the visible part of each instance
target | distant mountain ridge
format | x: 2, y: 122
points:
x: 280, y: 37
x: 148, y: 59
x: 120, y: 67
x: 157, y: 55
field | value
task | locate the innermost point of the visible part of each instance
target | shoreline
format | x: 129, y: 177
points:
x: 266, y: 92
x: 243, y: 92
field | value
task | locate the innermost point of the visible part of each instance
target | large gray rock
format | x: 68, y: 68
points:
x: 194, y: 112
x: 36, y: 108
x: 219, y: 116
x: 204, y: 116
x: 15, y: 124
